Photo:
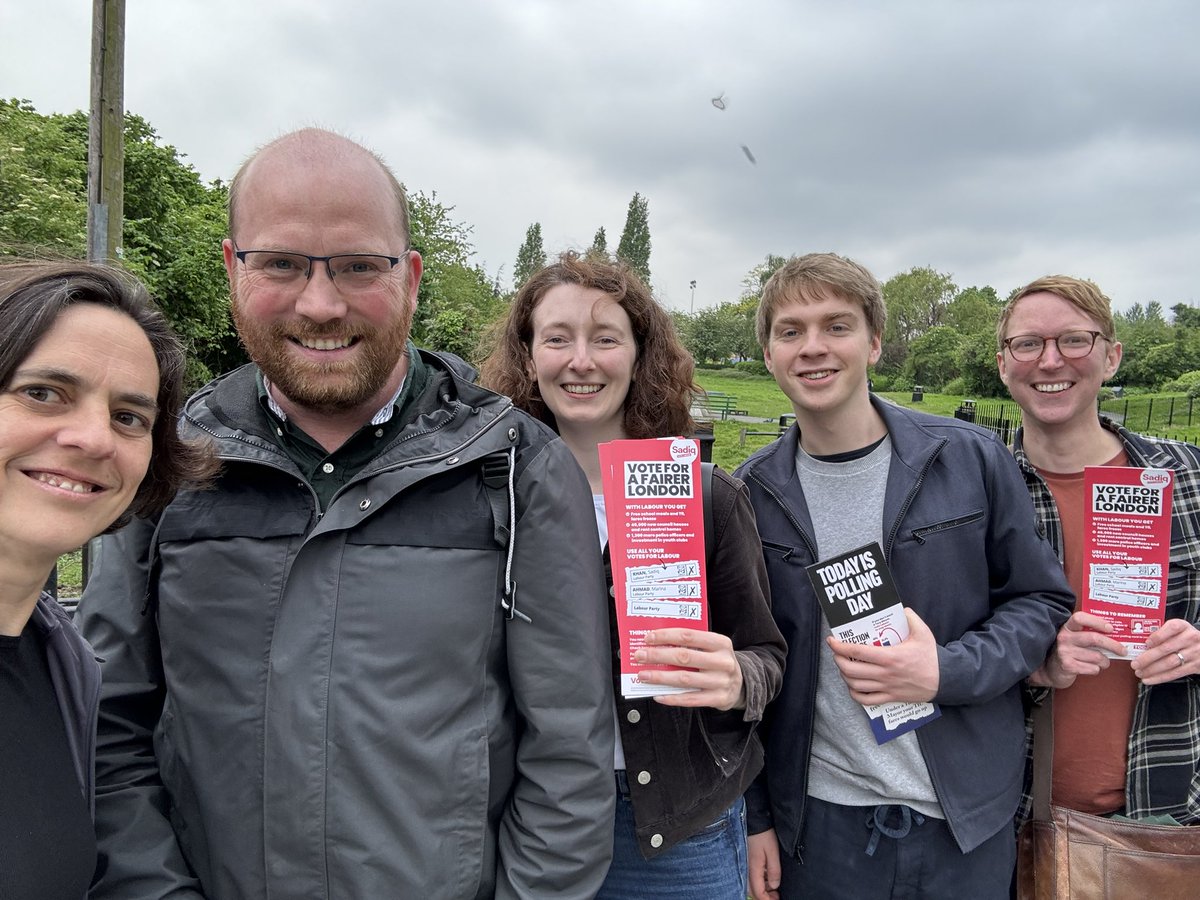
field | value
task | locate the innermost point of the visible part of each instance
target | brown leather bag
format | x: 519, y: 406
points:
x: 1067, y: 855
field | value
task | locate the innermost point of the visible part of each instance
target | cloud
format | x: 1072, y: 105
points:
x: 996, y: 142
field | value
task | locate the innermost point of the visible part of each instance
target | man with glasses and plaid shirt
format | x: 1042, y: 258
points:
x: 1126, y: 734
x: 373, y: 661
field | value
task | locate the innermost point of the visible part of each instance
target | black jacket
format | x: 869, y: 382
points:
x: 697, y: 762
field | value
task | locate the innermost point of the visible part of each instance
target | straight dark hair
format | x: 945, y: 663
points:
x: 33, y: 294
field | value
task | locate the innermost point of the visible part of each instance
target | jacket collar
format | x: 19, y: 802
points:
x: 914, y: 447
x: 1140, y: 451
x: 913, y: 444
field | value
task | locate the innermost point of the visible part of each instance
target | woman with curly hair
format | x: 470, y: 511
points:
x: 586, y: 349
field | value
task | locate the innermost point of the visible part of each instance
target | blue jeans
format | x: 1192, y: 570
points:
x: 890, y: 852
x: 710, y: 865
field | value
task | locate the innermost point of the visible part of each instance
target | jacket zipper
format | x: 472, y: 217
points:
x: 887, y: 555
x: 919, y: 534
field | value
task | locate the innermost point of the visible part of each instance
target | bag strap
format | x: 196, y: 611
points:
x: 1043, y: 756
x: 710, y: 539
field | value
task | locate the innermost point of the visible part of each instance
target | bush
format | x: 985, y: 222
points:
x: 880, y: 384
x: 752, y: 367
x: 955, y: 386
x: 1185, y: 384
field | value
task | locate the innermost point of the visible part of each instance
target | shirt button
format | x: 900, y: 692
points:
x: 644, y: 778
x: 634, y: 716
x: 378, y: 432
x: 327, y: 468
x: 656, y: 841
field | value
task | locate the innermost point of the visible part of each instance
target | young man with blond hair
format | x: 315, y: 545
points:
x: 1126, y: 733
x: 928, y: 813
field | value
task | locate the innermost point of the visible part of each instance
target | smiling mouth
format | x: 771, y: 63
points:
x: 325, y: 343
x: 1055, y: 388
x: 814, y: 376
x: 583, y: 388
x: 75, y: 487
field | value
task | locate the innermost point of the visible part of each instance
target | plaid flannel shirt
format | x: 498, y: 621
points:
x: 1163, y: 769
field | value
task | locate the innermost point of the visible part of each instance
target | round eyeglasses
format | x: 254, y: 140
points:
x: 1070, y: 344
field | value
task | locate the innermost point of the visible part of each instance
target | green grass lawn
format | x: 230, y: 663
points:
x: 70, y: 574
x: 1165, y: 415
x: 761, y: 397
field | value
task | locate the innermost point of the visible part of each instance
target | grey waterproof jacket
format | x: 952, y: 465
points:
x: 337, y: 705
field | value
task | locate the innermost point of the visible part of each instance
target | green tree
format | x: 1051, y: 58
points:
x: 457, y: 301
x: 43, y: 181
x: 531, y: 256
x: 1186, y: 316
x: 634, y: 246
x: 916, y: 301
x: 599, y: 243
x: 981, y: 377
x: 1140, y: 329
x: 974, y: 309
x: 707, y: 336
x: 934, y: 357
x: 756, y: 279
x: 172, y: 230
x: 737, y: 321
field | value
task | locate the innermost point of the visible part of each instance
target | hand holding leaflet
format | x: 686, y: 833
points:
x: 711, y: 669
x: 902, y: 673
x: 870, y: 627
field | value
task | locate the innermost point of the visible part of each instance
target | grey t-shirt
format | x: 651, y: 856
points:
x: 847, y: 766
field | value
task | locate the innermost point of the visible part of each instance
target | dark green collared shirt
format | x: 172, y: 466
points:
x: 328, y: 472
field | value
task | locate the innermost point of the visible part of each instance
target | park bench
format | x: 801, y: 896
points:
x: 785, y: 422
x: 711, y: 404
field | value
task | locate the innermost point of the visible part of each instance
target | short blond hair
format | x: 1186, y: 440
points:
x: 1084, y: 295
x: 807, y: 278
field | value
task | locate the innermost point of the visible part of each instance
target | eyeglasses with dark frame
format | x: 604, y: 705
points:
x: 1070, y: 344
x: 349, y: 271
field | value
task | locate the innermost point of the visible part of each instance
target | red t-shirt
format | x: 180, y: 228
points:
x: 1092, y: 717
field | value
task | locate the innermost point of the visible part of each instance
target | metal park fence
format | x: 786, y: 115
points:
x: 1002, y: 418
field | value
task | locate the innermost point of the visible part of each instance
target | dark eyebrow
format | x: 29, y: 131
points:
x: 825, y: 319
x: 70, y: 379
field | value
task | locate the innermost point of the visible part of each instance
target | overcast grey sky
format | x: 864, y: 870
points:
x: 997, y: 141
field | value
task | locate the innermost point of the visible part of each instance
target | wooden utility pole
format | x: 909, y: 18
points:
x: 106, y: 126
x: 106, y: 151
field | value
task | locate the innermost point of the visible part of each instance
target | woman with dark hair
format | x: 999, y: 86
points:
x: 586, y: 349
x: 91, y: 379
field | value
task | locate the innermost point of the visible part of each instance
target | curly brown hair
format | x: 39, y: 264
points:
x: 33, y: 294
x: 660, y: 395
